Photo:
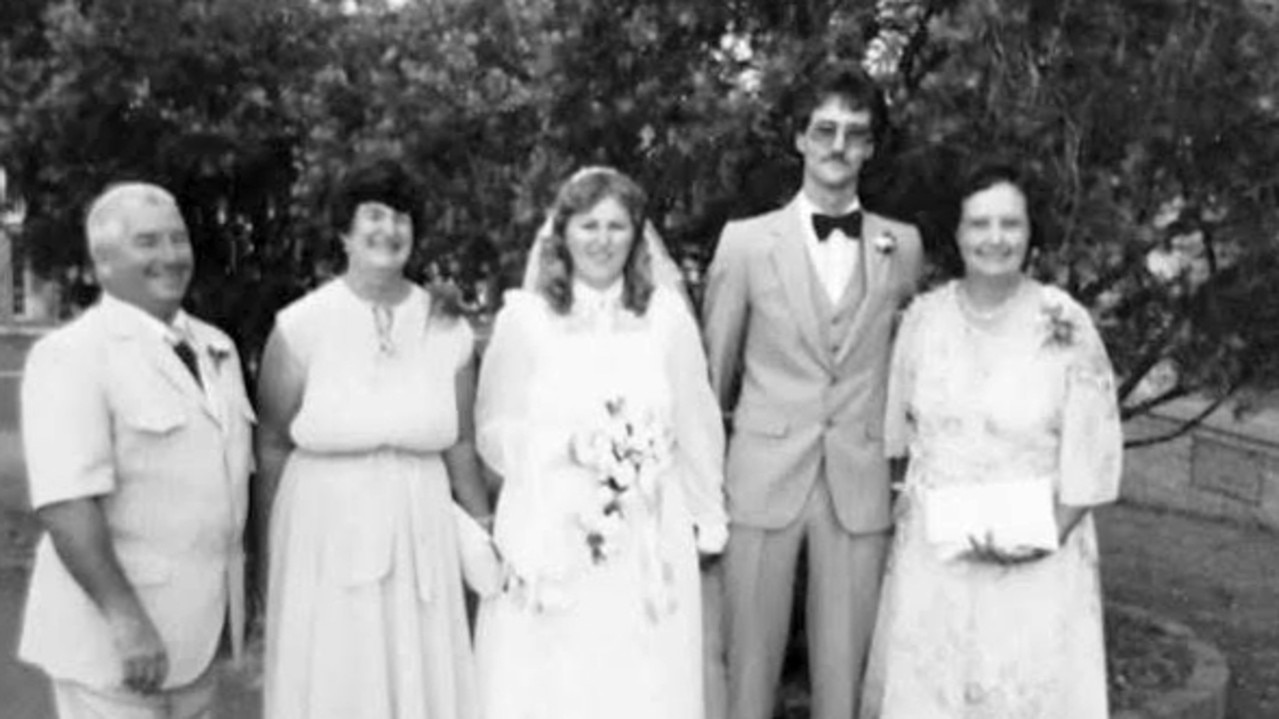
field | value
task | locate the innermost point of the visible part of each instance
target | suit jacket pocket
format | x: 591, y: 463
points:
x: 760, y: 423
x: 151, y: 408
x: 153, y: 418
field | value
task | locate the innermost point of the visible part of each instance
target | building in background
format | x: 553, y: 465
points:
x: 25, y: 301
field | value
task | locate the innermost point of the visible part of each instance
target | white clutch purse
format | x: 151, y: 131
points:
x: 1013, y: 513
x: 481, y: 565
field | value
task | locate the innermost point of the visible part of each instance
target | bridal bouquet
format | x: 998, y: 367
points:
x: 627, y: 450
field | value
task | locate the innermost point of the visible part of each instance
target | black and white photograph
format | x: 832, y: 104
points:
x: 678, y: 359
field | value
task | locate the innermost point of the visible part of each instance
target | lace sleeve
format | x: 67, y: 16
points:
x: 1091, y: 456
x: 901, y: 384
x: 501, y: 403
x: 698, y: 430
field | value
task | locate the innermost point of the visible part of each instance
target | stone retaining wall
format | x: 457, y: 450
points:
x: 1227, y: 468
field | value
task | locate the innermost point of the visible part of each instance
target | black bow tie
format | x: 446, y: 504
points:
x: 851, y: 224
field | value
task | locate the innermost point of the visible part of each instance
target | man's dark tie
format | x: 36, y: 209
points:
x: 851, y: 224
x: 187, y: 355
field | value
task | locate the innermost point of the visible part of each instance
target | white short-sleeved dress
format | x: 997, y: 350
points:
x: 366, y: 616
x: 1032, y: 397
x: 571, y: 638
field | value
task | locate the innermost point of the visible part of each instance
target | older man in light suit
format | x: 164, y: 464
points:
x: 799, y: 313
x: 136, y: 429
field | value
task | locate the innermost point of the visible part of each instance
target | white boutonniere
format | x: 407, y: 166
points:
x: 884, y: 243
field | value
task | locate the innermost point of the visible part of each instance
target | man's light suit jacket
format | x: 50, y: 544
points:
x: 109, y: 410
x: 805, y: 380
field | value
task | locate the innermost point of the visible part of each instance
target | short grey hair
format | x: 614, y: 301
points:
x: 107, y: 220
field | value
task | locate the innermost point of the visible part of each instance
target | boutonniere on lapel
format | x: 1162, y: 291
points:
x: 885, y: 243
x: 1059, y: 330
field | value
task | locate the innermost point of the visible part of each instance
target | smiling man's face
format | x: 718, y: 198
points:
x: 150, y: 261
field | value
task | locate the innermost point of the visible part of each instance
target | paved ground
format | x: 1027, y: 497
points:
x: 1221, y: 580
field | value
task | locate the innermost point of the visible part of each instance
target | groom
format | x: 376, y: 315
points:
x: 798, y: 316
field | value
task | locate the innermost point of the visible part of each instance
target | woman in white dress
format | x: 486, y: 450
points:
x: 601, y: 615
x: 365, y: 399
x: 1001, y: 393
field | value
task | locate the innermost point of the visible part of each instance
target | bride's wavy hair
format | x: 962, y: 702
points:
x: 581, y: 192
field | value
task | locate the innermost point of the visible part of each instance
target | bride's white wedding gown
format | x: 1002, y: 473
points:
x: 571, y: 637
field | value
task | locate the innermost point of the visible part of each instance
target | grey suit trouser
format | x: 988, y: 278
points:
x: 843, y: 583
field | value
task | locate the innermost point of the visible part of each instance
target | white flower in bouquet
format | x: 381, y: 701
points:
x: 624, y: 474
x: 590, y: 449
x: 604, y: 526
x: 626, y: 451
x: 604, y: 495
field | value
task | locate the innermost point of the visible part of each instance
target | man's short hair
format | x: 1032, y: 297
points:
x: 106, y: 221
x: 844, y: 80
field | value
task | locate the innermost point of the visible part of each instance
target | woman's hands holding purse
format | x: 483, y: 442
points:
x: 987, y: 551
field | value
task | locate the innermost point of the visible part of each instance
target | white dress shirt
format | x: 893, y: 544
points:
x: 834, y: 260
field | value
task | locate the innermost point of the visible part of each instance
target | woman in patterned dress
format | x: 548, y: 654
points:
x: 996, y: 378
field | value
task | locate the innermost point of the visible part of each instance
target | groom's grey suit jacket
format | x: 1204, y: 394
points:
x: 803, y: 381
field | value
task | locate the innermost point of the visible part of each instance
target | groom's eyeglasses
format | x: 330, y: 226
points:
x: 827, y: 134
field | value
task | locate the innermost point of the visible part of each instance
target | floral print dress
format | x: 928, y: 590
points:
x: 1030, y: 393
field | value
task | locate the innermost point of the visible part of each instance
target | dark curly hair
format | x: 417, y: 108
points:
x: 846, y: 81
x: 389, y: 182
x: 583, y: 191
x: 379, y: 180
x: 980, y: 175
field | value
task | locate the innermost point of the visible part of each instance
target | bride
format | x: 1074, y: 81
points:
x: 595, y: 409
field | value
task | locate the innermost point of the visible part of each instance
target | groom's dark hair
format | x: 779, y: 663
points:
x: 846, y: 81
x: 584, y: 190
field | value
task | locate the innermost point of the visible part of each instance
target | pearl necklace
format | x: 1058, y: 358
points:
x: 993, y: 315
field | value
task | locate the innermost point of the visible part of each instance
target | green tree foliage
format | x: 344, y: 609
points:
x: 189, y: 94
x: 1151, y: 122
x: 1153, y: 126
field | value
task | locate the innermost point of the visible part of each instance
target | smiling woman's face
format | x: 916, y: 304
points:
x: 994, y: 232
x: 380, y: 238
x: 599, y: 241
